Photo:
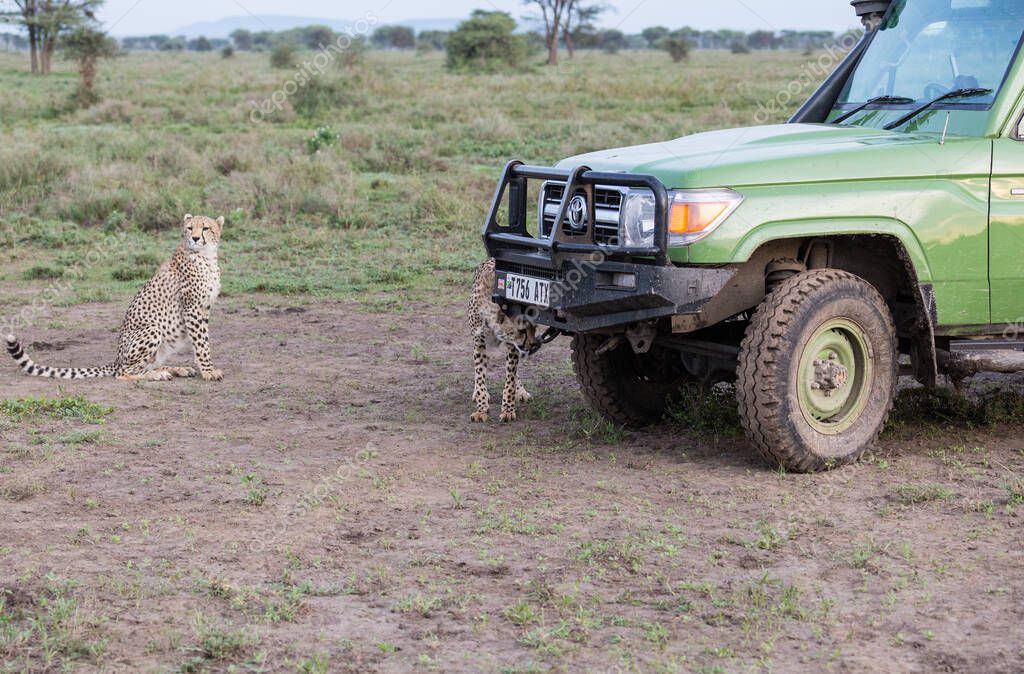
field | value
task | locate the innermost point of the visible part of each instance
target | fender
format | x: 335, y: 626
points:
x: 816, y: 229
x: 925, y: 354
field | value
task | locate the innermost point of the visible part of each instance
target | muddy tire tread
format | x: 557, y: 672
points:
x: 758, y: 374
x: 597, y: 382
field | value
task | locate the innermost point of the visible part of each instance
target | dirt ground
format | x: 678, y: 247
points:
x: 329, y: 507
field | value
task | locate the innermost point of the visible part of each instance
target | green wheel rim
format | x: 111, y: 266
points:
x: 834, y: 379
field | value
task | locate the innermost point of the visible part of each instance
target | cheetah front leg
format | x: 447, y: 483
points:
x: 197, y: 323
x: 511, y: 391
x: 481, y: 396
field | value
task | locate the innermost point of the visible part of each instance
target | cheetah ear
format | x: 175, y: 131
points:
x: 188, y: 218
x: 220, y: 221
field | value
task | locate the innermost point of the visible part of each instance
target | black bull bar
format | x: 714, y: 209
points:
x: 592, y: 286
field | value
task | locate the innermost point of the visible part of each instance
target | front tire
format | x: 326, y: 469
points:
x: 627, y: 388
x: 818, y: 371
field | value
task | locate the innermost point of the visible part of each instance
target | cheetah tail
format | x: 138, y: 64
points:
x: 33, y: 370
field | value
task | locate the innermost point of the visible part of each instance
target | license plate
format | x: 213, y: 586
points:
x: 527, y: 290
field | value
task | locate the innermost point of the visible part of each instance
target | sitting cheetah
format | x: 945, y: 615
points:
x: 170, y: 311
x: 490, y: 325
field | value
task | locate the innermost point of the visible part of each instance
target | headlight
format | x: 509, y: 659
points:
x: 638, y: 219
x: 692, y: 215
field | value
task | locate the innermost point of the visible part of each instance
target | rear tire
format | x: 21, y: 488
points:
x: 818, y: 371
x: 627, y: 388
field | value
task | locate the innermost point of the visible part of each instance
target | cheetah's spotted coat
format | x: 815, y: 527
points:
x: 490, y: 325
x: 170, y: 312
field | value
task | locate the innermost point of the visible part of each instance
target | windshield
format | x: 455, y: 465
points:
x: 927, y: 48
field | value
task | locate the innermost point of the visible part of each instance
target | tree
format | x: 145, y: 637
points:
x: 316, y: 37
x: 394, y: 37
x: 174, y: 44
x: 655, y: 35
x: 432, y: 39
x: 579, y: 19
x: 57, y: 18
x: 46, y: 21
x: 677, y: 46
x: 762, y: 39
x: 613, y: 41
x: 25, y: 12
x: 739, y: 47
x: 553, y: 14
x: 263, y: 40
x: 486, y: 41
x: 283, y: 56
x: 86, y: 46
x: 201, y: 43
x: 242, y: 39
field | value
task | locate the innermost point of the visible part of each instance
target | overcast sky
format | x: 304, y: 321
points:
x: 124, y: 17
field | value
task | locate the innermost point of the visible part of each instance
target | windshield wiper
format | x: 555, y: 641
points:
x: 878, y: 100
x: 957, y: 93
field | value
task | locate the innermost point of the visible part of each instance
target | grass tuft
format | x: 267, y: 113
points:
x: 707, y: 412
x: 912, y: 494
x: 948, y: 408
x: 74, y: 408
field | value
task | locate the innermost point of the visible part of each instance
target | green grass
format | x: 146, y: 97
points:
x: 707, y: 412
x: 912, y: 494
x: 74, y: 408
x: 947, y: 408
x: 48, y: 630
x: 392, y: 202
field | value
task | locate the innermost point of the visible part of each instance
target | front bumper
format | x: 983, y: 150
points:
x: 592, y: 287
x: 588, y: 295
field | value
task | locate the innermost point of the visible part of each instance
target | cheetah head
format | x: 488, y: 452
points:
x: 520, y: 334
x: 202, y: 234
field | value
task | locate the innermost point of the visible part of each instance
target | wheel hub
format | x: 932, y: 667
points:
x: 829, y: 375
x: 834, y: 376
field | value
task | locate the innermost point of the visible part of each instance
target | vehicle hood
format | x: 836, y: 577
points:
x: 784, y: 154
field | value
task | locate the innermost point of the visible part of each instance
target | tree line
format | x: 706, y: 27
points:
x: 399, y: 38
x: 486, y: 37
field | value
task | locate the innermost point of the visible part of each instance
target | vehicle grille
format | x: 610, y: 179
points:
x: 607, y: 205
x: 524, y: 270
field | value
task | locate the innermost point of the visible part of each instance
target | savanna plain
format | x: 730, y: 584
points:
x: 328, y: 507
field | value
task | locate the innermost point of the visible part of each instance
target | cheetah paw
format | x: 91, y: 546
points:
x: 184, y: 372
x: 478, y: 417
x: 213, y: 375
x: 507, y: 417
x: 523, y: 395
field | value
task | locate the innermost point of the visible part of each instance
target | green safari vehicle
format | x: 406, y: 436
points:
x: 880, y: 232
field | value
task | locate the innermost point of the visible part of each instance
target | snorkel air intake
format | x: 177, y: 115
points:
x: 870, y: 11
x: 819, y: 105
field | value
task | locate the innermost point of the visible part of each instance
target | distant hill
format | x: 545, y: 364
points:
x: 275, y: 22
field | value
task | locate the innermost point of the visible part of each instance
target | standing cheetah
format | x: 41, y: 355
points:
x: 172, y: 310
x: 490, y: 325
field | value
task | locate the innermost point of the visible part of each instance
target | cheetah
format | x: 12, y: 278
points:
x: 172, y: 310
x: 489, y: 326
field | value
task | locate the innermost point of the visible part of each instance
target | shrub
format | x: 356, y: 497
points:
x: 677, y: 46
x: 86, y: 47
x: 486, y: 42
x: 322, y: 95
x: 353, y: 51
x: 321, y: 138
x: 738, y: 47
x: 283, y: 56
x: 227, y: 52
